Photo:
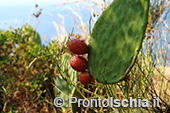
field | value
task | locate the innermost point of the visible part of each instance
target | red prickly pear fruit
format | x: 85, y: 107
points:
x: 85, y: 78
x: 77, y: 46
x: 78, y: 63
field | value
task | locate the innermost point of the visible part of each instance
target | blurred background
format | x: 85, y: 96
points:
x: 44, y: 14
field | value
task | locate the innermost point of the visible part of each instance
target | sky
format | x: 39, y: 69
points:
x: 16, y: 2
x: 18, y: 12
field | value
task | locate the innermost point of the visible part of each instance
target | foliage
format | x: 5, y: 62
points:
x: 63, y: 87
x: 32, y: 74
x: 149, y: 77
x: 26, y: 70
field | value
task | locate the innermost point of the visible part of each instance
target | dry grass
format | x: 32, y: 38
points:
x: 161, y: 83
x: 154, y: 60
x: 150, y: 73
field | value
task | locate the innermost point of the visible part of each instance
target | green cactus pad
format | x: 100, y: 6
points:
x: 116, y: 39
x: 63, y: 89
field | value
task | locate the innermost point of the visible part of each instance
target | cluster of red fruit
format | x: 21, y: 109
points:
x: 78, y: 62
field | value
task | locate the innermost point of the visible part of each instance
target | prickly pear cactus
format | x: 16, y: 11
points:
x: 116, y: 39
x: 63, y: 89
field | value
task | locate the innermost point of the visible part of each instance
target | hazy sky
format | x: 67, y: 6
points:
x: 27, y: 1
x: 18, y: 12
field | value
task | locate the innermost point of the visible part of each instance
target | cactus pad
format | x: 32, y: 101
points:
x: 63, y: 89
x: 116, y: 39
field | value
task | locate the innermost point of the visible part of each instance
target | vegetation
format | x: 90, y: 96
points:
x: 32, y: 75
